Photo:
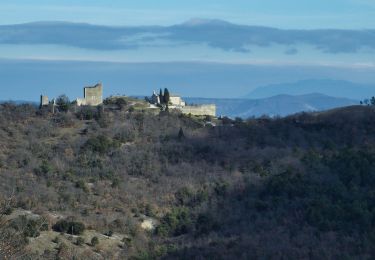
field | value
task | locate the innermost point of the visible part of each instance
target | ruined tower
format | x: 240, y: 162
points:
x: 93, y: 96
x: 44, y: 101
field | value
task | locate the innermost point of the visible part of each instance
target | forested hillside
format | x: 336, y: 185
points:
x: 116, y: 182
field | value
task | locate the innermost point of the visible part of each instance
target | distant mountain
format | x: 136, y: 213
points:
x: 334, y: 88
x: 280, y: 105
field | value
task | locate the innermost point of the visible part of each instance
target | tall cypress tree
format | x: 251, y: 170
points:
x: 161, y: 96
x: 166, y: 96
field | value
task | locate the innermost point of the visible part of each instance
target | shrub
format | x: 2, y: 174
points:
x: 108, y: 233
x: 94, y: 241
x: 80, y: 241
x: 82, y: 185
x: 175, y: 223
x: 69, y: 227
x: 86, y: 113
x: 29, y: 227
x: 100, y: 144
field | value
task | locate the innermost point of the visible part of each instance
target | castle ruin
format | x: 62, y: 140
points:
x: 44, y: 101
x: 93, y: 96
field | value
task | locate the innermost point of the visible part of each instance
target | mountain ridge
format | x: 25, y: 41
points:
x: 329, y: 87
x: 279, y: 105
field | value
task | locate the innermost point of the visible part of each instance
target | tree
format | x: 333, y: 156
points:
x: 121, y: 103
x: 63, y: 103
x: 372, y: 101
x: 80, y: 241
x: 94, y: 241
x: 161, y: 96
x: 166, y: 96
x: 181, y: 134
x: 69, y: 227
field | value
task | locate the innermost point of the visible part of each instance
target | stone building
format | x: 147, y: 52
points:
x: 176, y: 102
x: 200, y: 110
x: 93, y: 96
x: 44, y: 101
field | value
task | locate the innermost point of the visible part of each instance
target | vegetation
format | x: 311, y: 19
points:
x: 69, y: 227
x: 171, y: 186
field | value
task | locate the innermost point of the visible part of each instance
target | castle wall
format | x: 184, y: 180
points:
x: 200, y: 110
x: 94, y: 95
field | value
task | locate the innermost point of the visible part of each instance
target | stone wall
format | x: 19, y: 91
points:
x: 93, y: 96
x: 44, y: 100
x: 200, y: 110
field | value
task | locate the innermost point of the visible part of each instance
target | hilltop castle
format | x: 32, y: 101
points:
x: 93, y: 96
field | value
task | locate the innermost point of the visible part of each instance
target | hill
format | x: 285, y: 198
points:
x: 334, y: 88
x: 116, y: 182
x: 280, y: 105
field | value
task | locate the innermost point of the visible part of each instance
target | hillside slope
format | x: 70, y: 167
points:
x: 167, y: 186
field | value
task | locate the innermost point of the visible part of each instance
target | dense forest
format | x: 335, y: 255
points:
x: 120, y: 182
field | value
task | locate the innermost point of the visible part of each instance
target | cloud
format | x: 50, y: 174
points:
x: 214, y: 33
x: 291, y: 51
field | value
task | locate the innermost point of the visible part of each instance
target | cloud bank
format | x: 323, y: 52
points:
x: 214, y: 33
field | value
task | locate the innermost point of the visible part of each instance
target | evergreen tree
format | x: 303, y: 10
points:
x: 161, y: 96
x: 63, y: 103
x: 166, y: 96
x: 181, y: 134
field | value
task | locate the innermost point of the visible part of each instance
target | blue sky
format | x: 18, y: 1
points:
x: 301, y: 14
x: 295, y: 50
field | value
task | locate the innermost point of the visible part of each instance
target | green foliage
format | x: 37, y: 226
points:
x: 30, y: 227
x: 44, y: 169
x: 80, y: 241
x: 205, y: 223
x: 177, y: 222
x: 86, y: 113
x: 121, y: 103
x: 187, y: 197
x: 108, y: 233
x: 63, y: 103
x: 94, y: 241
x: 69, y: 227
x: 101, y: 144
x: 166, y: 98
x: 82, y: 185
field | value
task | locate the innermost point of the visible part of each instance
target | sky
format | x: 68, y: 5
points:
x: 299, y: 14
x: 295, y: 39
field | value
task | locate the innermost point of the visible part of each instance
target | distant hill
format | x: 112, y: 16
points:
x: 281, y: 105
x: 334, y: 88
x: 19, y: 102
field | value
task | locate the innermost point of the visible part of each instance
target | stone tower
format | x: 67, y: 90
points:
x: 93, y: 96
x: 44, y: 101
